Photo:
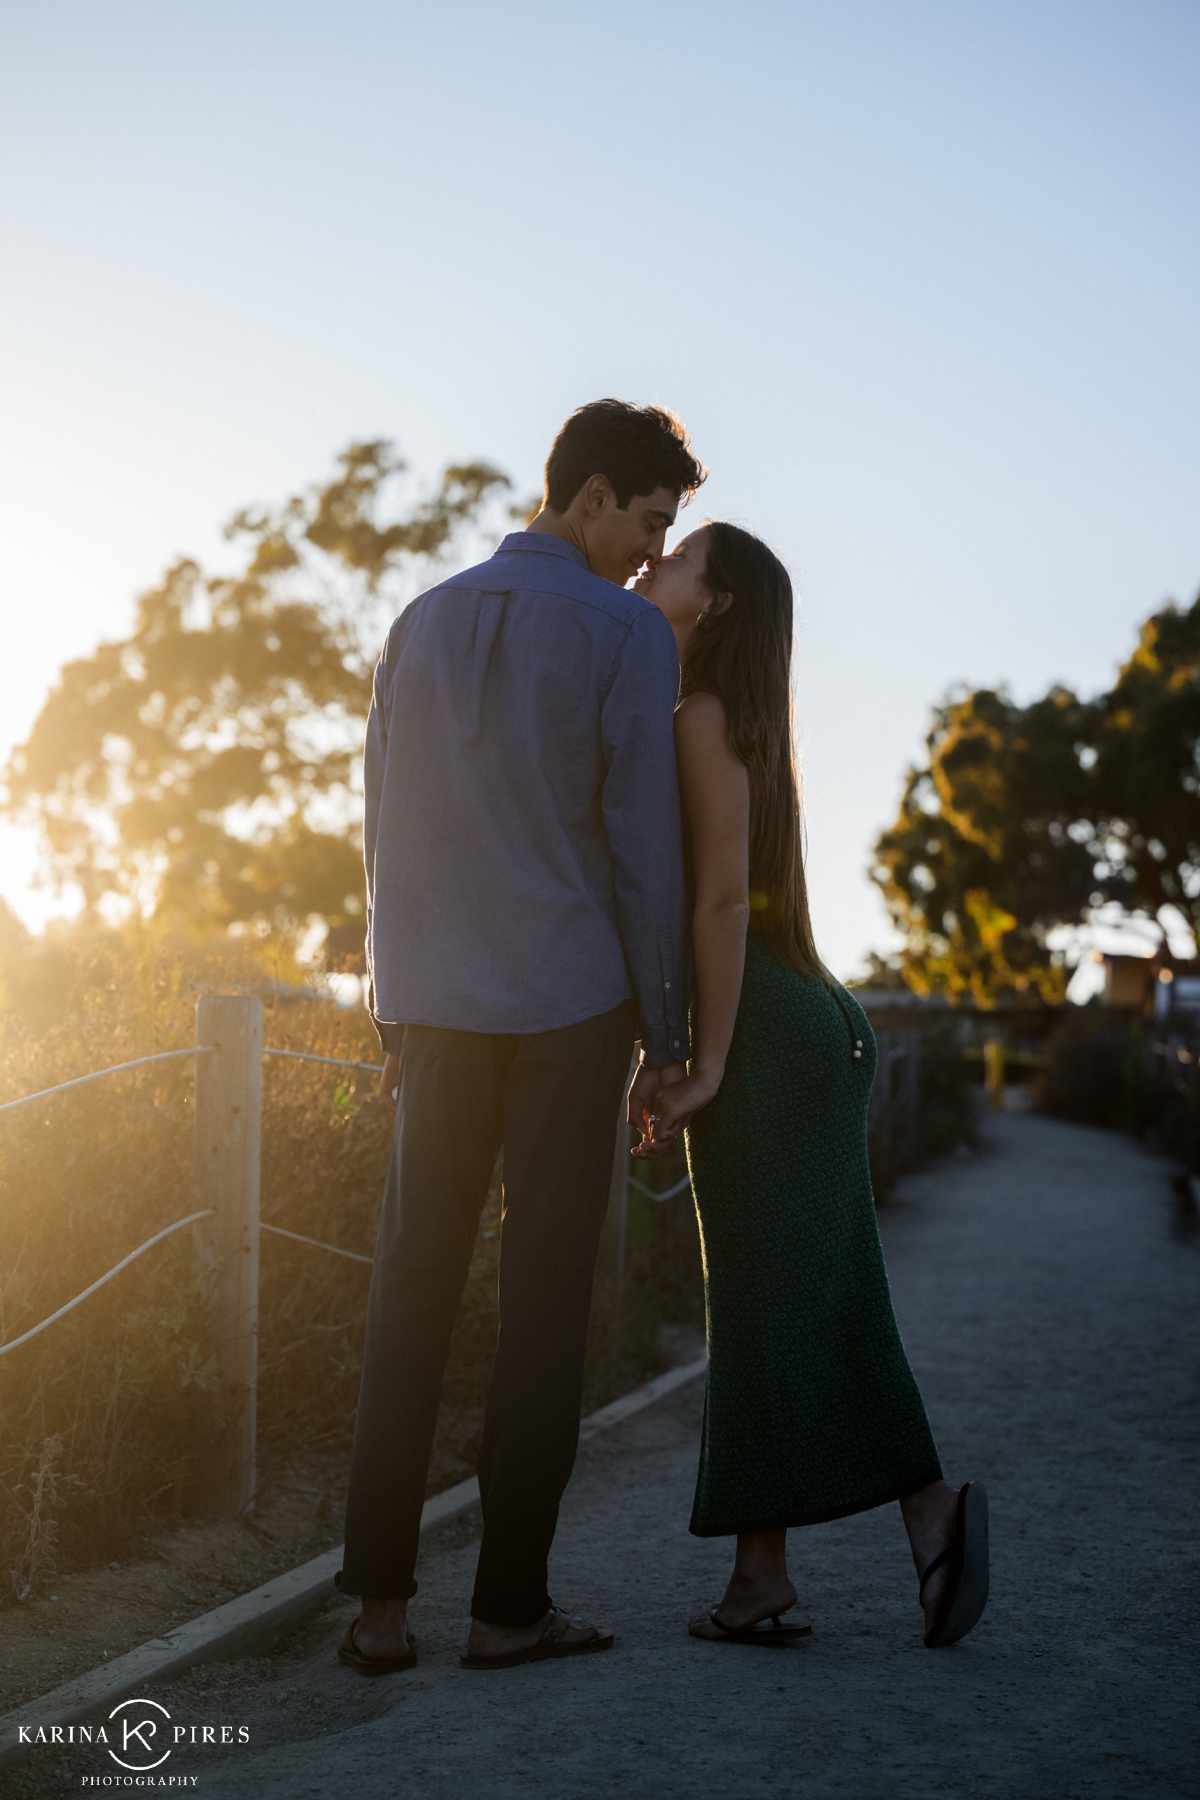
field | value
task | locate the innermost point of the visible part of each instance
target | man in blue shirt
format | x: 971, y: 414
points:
x: 526, y: 921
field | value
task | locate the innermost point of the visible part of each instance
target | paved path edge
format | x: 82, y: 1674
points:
x: 250, y: 1625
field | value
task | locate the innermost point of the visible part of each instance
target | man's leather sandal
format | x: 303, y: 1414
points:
x: 349, y: 1653
x: 550, y: 1644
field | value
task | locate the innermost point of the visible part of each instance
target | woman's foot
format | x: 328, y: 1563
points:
x: 930, y: 1517
x: 745, y: 1604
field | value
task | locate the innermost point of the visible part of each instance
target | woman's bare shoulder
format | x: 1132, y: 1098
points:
x: 702, y: 741
x: 700, y: 718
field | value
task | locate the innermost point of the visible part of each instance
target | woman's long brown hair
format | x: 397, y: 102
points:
x: 744, y: 657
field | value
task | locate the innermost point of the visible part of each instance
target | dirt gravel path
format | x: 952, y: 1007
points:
x: 1047, y: 1288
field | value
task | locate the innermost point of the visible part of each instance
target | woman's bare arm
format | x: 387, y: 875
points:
x: 716, y: 802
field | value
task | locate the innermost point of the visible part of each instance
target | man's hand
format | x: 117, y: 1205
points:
x: 674, y: 1107
x: 389, y: 1081
x: 645, y: 1086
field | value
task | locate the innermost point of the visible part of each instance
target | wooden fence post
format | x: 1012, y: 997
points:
x: 226, y: 1162
x: 881, y: 1087
x: 610, y: 1258
x: 912, y: 1070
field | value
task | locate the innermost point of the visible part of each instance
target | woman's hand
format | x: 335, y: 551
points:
x: 673, y: 1110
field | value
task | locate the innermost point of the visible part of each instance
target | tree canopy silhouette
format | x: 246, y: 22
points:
x: 1027, y: 819
x: 206, y: 768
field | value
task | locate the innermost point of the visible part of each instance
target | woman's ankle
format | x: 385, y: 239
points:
x: 761, y: 1560
x: 926, y: 1505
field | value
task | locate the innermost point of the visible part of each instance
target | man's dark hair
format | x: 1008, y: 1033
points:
x: 639, y: 449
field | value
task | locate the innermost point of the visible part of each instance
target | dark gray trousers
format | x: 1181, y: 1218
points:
x: 551, y: 1099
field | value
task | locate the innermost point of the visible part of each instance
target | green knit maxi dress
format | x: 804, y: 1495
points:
x: 811, y: 1411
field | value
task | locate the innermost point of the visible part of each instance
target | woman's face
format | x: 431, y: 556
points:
x: 676, y: 582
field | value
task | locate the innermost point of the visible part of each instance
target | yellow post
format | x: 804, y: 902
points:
x: 993, y: 1067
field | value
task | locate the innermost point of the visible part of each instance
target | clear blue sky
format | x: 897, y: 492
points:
x: 921, y: 278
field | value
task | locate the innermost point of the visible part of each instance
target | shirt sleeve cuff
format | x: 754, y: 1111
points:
x: 391, y: 1037
x: 668, y: 1044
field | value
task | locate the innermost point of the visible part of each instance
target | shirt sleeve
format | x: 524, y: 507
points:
x: 641, y: 817
x: 374, y: 761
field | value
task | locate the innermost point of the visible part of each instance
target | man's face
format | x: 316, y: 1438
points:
x: 618, y: 541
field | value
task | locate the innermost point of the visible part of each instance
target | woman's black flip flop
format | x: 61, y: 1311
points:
x: 965, y: 1594
x: 775, y: 1633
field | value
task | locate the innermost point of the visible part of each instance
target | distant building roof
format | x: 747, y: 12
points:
x: 1128, y: 980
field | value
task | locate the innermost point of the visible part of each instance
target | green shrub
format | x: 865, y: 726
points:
x: 1109, y: 1069
x: 900, y: 1140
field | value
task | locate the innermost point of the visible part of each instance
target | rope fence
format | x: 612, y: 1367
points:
x: 137, y: 1063
x: 124, y: 1263
x: 226, y: 1172
x: 668, y: 1194
x: 890, y: 1054
x: 339, y: 1062
x: 336, y: 1062
x: 316, y: 1243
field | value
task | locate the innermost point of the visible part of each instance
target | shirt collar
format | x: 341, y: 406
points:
x: 542, y: 543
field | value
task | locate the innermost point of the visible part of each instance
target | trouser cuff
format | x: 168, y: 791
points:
x: 503, y: 1609
x: 364, y: 1588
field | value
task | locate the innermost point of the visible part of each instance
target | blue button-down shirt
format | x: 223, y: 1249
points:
x: 522, y: 839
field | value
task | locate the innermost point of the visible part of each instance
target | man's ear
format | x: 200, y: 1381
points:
x: 596, y: 493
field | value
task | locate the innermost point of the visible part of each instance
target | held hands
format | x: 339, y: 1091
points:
x: 643, y: 1090
x: 389, y: 1080
x: 662, y: 1103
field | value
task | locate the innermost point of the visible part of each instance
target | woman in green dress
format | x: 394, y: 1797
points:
x: 811, y: 1410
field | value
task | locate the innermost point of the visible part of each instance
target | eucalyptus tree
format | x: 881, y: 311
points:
x: 1025, y: 820
x: 206, y: 767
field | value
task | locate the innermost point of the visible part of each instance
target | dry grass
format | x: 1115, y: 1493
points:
x: 126, y: 1382
x: 33, y: 1529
